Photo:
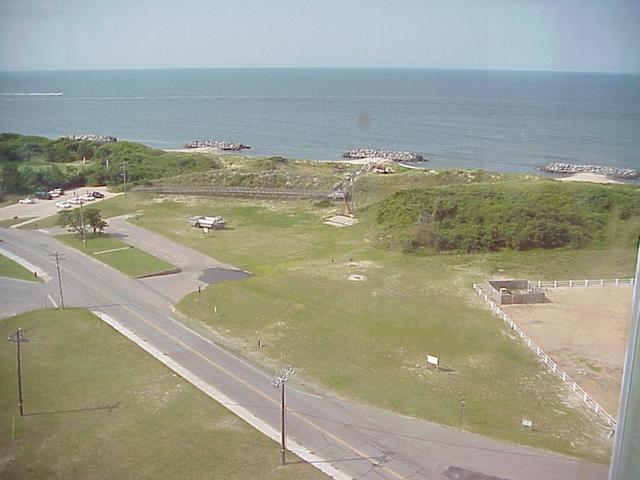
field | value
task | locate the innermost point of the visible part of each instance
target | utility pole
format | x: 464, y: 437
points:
x: 19, y: 339
x: 84, y: 230
x: 58, y: 258
x: 280, y: 381
x: 124, y: 176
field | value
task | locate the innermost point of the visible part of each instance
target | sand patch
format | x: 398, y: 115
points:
x: 585, y: 331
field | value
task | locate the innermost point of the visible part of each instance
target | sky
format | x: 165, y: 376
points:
x: 565, y: 35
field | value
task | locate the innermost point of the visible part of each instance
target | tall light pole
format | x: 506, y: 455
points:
x: 84, y: 230
x: 279, y: 381
x: 124, y: 177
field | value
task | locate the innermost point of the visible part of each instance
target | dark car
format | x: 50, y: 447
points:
x: 43, y: 195
x: 96, y: 195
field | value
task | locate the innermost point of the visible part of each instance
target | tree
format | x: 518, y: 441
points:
x: 92, y: 217
x: 11, y: 180
x: 72, y: 220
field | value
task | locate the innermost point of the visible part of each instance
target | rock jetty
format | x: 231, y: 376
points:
x: 613, y: 172
x: 229, y: 146
x: 91, y: 137
x: 359, y: 153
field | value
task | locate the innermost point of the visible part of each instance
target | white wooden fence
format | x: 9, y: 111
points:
x: 602, y: 282
x: 546, y: 359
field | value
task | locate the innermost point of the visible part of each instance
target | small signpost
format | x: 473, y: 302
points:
x: 527, y: 424
x: 433, y: 360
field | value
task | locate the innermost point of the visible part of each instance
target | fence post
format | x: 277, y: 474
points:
x: 571, y: 283
x: 586, y: 283
x: 555, y: 284
x: 602, y: 282
x: 617, y: 282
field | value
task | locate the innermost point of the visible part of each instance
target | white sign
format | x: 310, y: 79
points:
x: 206, y: 230
x: 527, y: 423
x: 433, y: 360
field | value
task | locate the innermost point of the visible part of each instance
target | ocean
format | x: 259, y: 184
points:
x: 495, y: 120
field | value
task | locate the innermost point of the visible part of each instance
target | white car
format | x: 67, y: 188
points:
x: 74, y: 201
x: 63, y: 205
x: 27, y: 201
x: 86, y: 198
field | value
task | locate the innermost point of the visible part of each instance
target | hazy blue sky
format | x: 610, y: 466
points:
x: 584, y: 35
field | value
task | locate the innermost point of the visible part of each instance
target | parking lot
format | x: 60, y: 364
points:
x: 45, y: 208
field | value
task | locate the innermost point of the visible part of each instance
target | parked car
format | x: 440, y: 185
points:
x: 74, y: 201
x: 96, y: 194
x: 86, y: 198
x: 63, y: 205
x: 54, y: 194
x: 27, y: 201
x: 43, y: 195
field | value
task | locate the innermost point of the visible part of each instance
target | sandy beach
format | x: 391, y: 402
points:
x: 195, y: 150
x: 588, y: 177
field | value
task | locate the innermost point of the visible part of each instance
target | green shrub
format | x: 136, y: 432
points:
x: 519, y: 215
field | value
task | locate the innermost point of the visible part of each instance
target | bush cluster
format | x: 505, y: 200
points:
x: 517, y: 215
x: 29, y: 163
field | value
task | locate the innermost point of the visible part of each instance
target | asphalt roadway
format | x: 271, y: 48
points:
x: 357, y: 440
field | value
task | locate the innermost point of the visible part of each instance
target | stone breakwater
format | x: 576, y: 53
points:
x: 219, y: 145
x: 91, y: 137
x: 613, y: 172
x: 386, y: 154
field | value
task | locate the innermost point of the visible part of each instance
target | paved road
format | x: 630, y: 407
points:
x: 360, y: 441
x: 189, y: 261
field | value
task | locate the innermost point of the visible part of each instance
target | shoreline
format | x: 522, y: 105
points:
x: 591, y: 178
x: 576, y: 177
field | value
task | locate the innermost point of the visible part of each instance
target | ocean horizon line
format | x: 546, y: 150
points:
x: 317, y: 68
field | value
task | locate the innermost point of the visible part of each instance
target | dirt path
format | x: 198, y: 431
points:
x: 585, y: 331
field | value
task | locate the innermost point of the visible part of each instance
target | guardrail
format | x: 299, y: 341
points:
x: 546, y: 359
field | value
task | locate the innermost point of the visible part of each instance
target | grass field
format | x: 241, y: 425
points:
x: 353, y: 337
x: 98, y: 407
x: 9, y: 268
x: 13, y: 221
x: 119, y: 255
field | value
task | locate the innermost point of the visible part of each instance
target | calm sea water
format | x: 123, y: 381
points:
x: 506, y: 121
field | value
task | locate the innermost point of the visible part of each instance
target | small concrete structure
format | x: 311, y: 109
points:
x: 510, y: 292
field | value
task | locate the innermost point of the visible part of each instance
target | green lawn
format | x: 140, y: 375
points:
x: 13, y: 221
x: 368, y: 340
x: 99, y: 407
x: 9, y: 268
x: 353, y: 337
x: 129, y: 260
